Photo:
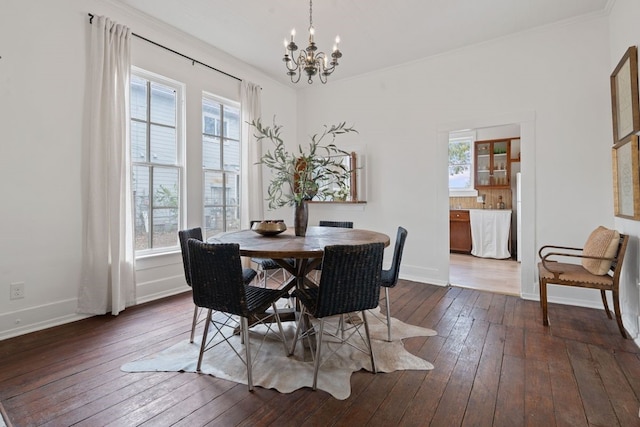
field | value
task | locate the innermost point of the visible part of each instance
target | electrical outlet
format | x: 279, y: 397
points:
x: 16, y: 290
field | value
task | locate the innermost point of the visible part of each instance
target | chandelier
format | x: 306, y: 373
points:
x: 309, y: 61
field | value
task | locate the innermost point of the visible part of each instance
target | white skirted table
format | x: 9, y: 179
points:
x: 490, y: 233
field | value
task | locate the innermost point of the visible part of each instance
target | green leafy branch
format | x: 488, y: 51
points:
x: 303, y: 175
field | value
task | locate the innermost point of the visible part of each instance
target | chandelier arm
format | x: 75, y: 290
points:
x: 295, y: 74
x: 288, y: 62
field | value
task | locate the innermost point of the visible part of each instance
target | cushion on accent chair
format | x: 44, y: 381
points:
x: 602, y: 242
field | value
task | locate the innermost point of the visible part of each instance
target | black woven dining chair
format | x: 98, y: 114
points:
x: 248, y: 274
x: 218, y: 285
x: 350, y: 282
x: 268, y: 269
x: 336, y: 224
x: 389, y: 277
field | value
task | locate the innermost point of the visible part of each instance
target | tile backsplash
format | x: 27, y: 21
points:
x: 491, y: 200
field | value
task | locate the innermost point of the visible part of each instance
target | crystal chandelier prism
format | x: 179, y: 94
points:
x: 309, y: 61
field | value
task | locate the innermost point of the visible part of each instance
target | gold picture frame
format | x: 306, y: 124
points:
x: 626, y: 179
x: 624, y: 96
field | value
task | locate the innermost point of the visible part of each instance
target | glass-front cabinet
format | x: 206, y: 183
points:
x: 493, y: 164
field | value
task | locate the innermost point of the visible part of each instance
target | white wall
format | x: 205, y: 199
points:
x: 42, y: 88
x: 553, y: 81
x: 624, y: 32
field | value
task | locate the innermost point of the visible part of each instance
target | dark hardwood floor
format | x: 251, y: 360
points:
x: 495, y: 364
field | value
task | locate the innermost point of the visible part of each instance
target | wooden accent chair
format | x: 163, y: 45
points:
x: 601, y: 263
x: 350, y: 282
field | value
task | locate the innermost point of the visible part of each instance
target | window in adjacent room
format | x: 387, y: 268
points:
x: 221, y: 165
x: 461, y: 163
x: 156, y: 158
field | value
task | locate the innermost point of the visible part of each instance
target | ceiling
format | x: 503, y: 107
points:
x: 374, y: 34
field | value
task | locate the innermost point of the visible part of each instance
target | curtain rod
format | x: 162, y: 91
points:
x: 193, y: 61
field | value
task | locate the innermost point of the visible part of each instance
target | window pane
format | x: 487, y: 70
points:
x: 460, y: 164
x: 211, y: 152
x: 165, y: 187
x: 214, y: 221
x: 232, y: 122
x: 138, y: 142
x: 138, y: 95
x: 233, y: 219
x: 163, y: 145
x: 165, y: 207
x: 232, y: 156
x: 210, y: 117
x: 213, y: 187
x: 163, y: 105
x: 233, y: 189
x: 140, y: 183
x: 459, y: 178
x: 165, y: 228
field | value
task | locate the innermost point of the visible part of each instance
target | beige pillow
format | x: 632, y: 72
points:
x: 601, y: 243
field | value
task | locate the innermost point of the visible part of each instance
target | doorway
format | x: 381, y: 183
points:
x: 502, y: 276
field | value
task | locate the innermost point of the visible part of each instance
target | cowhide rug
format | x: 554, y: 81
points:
x: 273, y: 369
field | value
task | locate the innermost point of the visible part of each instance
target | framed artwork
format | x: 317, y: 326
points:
x: 624, y: 96
x: 626, y: 178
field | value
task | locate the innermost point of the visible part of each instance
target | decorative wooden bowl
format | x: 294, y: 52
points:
x: 269, y: 228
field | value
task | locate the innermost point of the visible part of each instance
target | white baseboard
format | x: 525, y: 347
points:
x: 36, y: 318
x: 31, y: 319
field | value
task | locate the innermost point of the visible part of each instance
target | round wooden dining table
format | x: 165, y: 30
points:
x: 307, y: 251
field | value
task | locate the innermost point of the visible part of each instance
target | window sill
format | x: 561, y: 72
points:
x: 158, y: 259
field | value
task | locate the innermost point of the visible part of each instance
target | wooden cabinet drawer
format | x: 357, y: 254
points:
x: 459, y: 215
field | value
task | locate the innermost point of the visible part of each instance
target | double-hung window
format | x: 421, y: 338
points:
x: 156, y: 157
x: 461, y: 181
x: 220, y: 164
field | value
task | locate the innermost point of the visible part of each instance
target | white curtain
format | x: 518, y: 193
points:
x: 108, y: 272
x: 252, y: 195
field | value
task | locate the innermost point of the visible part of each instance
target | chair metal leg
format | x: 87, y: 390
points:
x: 284, y: 338
x: 366, y: 330
x: 316, y: 365
x: 388, y: 305
x: 297, y: 333
x: 244, y: 326
x: 196, y: 310
x: 203, y: 344
x: 605, y: 303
